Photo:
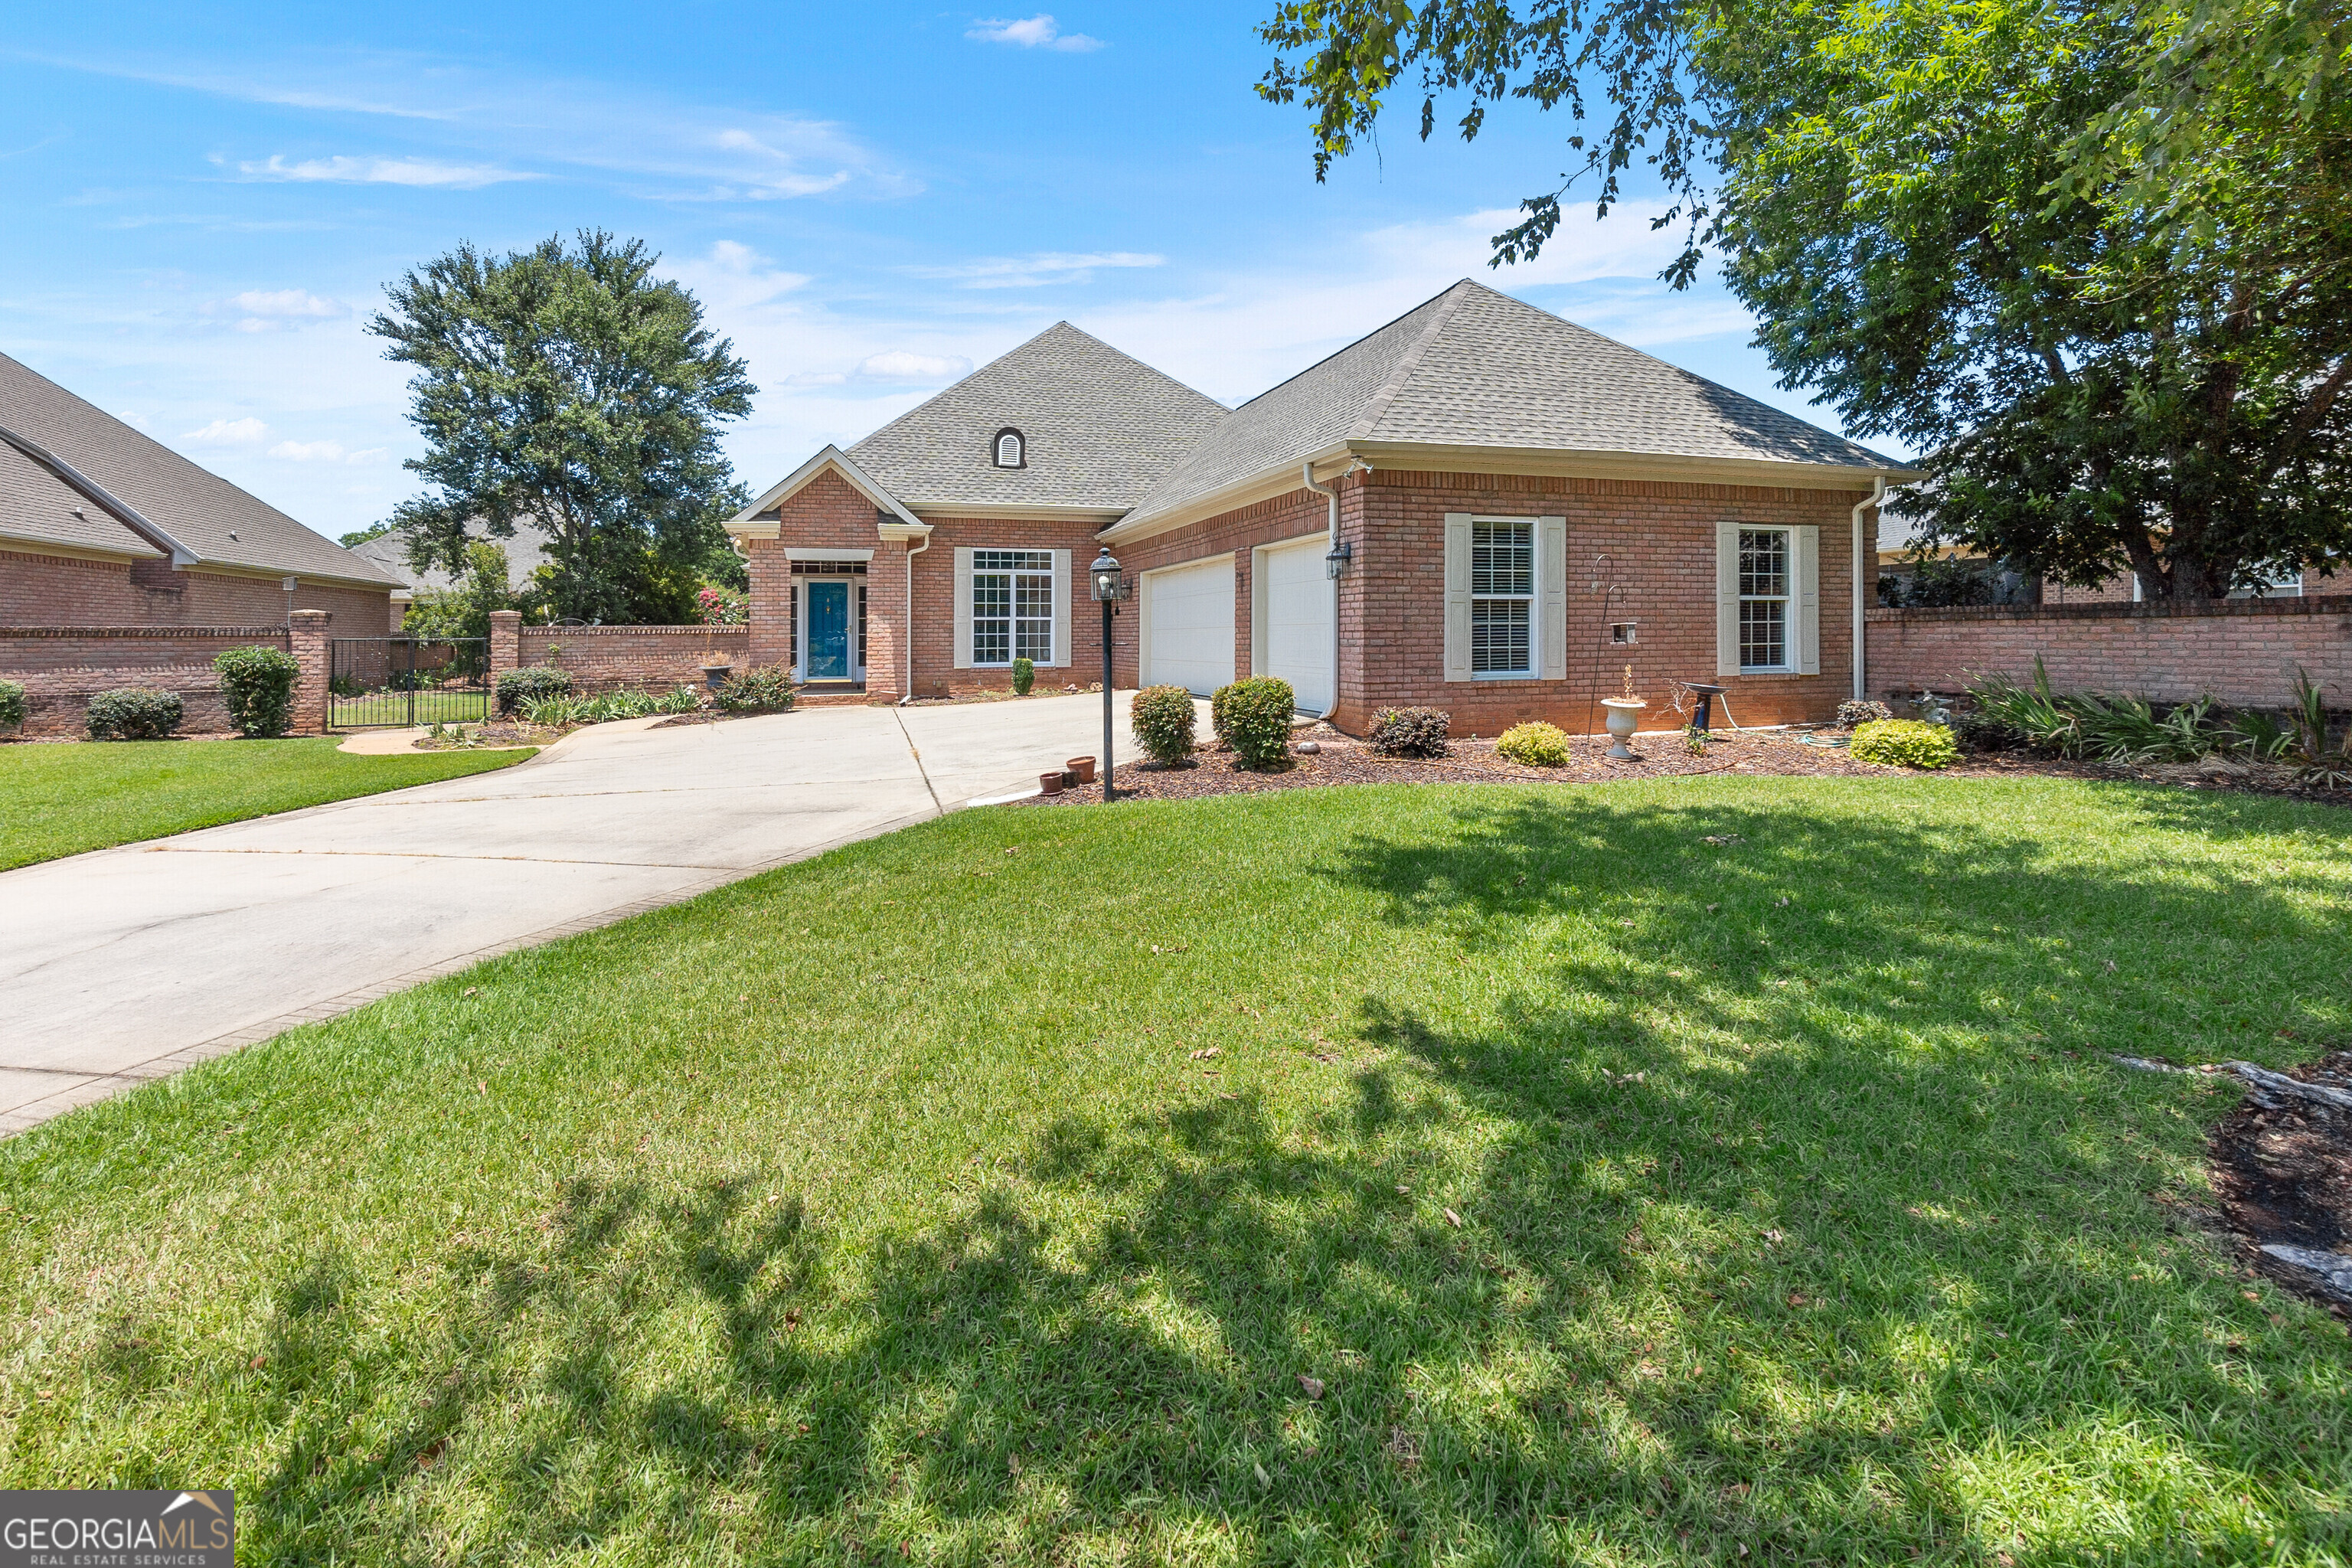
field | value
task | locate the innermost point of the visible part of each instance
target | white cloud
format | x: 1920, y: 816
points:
x: 288, y: 302
x: 1038, y: 32
x: 421, y: 172
x: 777, y: 171
x: 229, y: 433
x: 1034, y: 271
x: 900, y: 365
x: 325, y: 452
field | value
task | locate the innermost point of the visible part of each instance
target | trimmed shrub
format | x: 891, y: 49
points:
x: 1025, y: 676
x: 1162, y: 718
x: 1535, y: 744
x: 1253, y: 717
x: 1410, y: 732
x: 258, y: 684
x: 765, y: 689
x: 135, y: 714
x: 1855, y: 710
x: 530, y: 683
x: 12, y: 703
x: 1905, y: 743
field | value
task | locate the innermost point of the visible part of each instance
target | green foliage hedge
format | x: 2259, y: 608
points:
x: 765, y: 689
x: 1905, y: 743
x: 1025, y: 676
x: 1253, y: 717
x: 1535, y: 744
x: 12, y: 703
x: 1163, y: 718
x: 135, y: 714
x: 1410, y: 731
x: 258, y: 683
x: 532, y: 683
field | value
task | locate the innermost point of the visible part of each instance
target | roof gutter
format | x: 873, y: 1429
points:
x: 121, y: 511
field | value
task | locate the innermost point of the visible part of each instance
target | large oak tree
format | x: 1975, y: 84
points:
x: 570, y: 387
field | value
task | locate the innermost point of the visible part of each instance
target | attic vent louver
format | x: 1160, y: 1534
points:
x: 1012, y: 449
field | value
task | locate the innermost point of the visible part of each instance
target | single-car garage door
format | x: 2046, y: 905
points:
x: 1294, y: 629
x: 1188, y: 625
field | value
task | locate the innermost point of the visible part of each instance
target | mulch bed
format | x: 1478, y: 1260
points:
x: 1339, y: 760
x: 496, y: 735
x: 2282, y: 1171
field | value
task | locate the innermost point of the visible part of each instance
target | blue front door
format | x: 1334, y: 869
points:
x: 828, y: 631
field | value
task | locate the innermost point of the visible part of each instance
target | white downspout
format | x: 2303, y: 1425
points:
x: 1877, y: 497
x: 1307, y: 476
x: 908, y: 695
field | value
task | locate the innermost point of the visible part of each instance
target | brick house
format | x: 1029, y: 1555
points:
x: 1479, y: 507
x: 100, y: 526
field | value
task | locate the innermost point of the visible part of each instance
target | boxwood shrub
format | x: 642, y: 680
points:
x: 1410, y: 732
x: 1905, y: 743
x: 1535, y: 744
x: 135, y: 714
x: 1162, y: 718
x: 763, y: 689
x: 12, y: 703
x: 1024, y: 675
x: 1253, y: 717
x: 516, y: 687
x: 258, y: 683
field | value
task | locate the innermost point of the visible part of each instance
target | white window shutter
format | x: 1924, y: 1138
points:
x: 1458, y: 595
x: 963, y: 607
x: 1061, y: 596
x: 1809, y: 599
x: 1551, y: 587
x: 1727, y: 598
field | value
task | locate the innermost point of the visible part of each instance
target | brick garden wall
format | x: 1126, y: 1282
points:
x: 63, y: 668
x: 642, y: 659
x: 2243, y: 651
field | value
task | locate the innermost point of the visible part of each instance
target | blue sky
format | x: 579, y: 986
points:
x: 204, y: 206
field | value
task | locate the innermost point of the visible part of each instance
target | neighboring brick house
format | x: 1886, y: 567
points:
x: 100, y: 526
x: 525, y: 549
x: 1479, y: 507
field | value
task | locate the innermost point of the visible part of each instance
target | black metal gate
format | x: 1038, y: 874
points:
x: 377, y: 682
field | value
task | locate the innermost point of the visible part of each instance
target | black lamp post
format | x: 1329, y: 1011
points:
x: 1109, y: 587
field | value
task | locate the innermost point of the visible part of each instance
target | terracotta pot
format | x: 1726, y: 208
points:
x: 1084, y: 767
x: 1050, y: 784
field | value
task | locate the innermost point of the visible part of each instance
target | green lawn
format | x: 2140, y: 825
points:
x: 886, y: 1205
x: 63, y: 799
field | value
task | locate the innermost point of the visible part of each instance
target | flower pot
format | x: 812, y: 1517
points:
x: 1624, y: 717
x: 1084, y: 767
x: 1049, y: 784
x: 715, y: 675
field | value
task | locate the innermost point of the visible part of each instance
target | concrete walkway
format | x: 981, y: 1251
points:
x: 129, y: 963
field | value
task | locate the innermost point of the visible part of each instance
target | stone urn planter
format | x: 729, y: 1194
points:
x: 1624, y: 717
x: 715, y: 672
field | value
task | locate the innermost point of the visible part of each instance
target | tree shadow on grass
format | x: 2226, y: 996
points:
x: 1646, y: 1255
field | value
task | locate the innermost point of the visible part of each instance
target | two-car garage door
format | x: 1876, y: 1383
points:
x: 1188, y: 625
x: 1188, y: 622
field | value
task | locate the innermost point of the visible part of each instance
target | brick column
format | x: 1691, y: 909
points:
x: 887, y: 643
x: 506, y: 643
x: 307, y: 634
x: 769, y: 612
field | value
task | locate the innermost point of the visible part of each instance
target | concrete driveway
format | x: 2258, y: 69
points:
x: 131, y: 963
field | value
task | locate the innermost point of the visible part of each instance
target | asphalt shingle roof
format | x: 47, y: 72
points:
x: 1100, y: 429
x: 1476, y: 368
x: 196, y: 507
x: 39, y: 508
x: 388, y: 552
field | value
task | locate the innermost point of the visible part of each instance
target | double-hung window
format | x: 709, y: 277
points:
x: 1502, y: 599
x: 1012, y: 606
x: 1766, y: 577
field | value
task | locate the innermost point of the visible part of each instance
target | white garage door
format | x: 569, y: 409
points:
x: 1188, y: 627
x: 1295, y: 610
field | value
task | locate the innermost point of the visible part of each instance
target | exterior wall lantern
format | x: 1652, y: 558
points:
x: 1336, y: 562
